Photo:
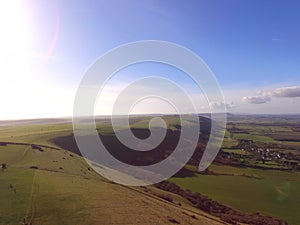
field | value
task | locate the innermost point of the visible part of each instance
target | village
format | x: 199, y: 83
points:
x: 269, y: 156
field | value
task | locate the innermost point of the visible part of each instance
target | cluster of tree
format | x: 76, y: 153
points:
x: 33, y: 146
x: 4, y: 166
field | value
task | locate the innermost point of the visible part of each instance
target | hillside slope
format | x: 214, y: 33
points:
x: 43, y: 185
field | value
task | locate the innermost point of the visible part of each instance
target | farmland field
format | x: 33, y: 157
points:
x: 274, y: 193
x: 261, y: 150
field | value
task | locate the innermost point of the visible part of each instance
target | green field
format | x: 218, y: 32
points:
x: 229, y: 143
x: 14, y: 201
x: 235, y: 151
x: 271, y: 192
x: 253, y: 137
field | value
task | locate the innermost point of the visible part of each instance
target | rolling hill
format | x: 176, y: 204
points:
x: 46, y: 184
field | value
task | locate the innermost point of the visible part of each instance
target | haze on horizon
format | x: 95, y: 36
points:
x: 252, y: 47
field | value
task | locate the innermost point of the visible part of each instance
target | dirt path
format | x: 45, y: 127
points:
x: 25, y: 151
x: 28, y: 220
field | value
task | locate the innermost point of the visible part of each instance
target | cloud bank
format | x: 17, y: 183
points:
x: 266, y: 96
x: 220, y: 105
x: 256, y: 99
x: 287, y: 92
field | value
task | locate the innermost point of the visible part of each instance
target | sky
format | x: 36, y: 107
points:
x: 46, y: 47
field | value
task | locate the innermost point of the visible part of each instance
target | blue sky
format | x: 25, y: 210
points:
x: 253, y: 48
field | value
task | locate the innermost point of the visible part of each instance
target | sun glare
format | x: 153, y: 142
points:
x: 16, y: 77
x: 14, y: 39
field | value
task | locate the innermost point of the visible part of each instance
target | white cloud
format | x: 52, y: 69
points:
x: 266, y: 96
x: 287, y: 92
x: 219, y: 105
x: 257, y: 99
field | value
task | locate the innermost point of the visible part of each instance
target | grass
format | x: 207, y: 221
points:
x: 38, y: 133
x: 67, y: 199
x: 14, y: 201
x: 11, y: 153
x: 47, y: 195
x: 62, y: 190
x: 277, y: 193
x: 253, y: 137
x: 235, y: 151
x: 230, y: 170
x: 269, y: 165
x: 229, y: 143
x: 290, y: 136
x: 57, y: 197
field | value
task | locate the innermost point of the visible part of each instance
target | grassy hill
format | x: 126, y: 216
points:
x: 45, y: 184
x: 48, y: 182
